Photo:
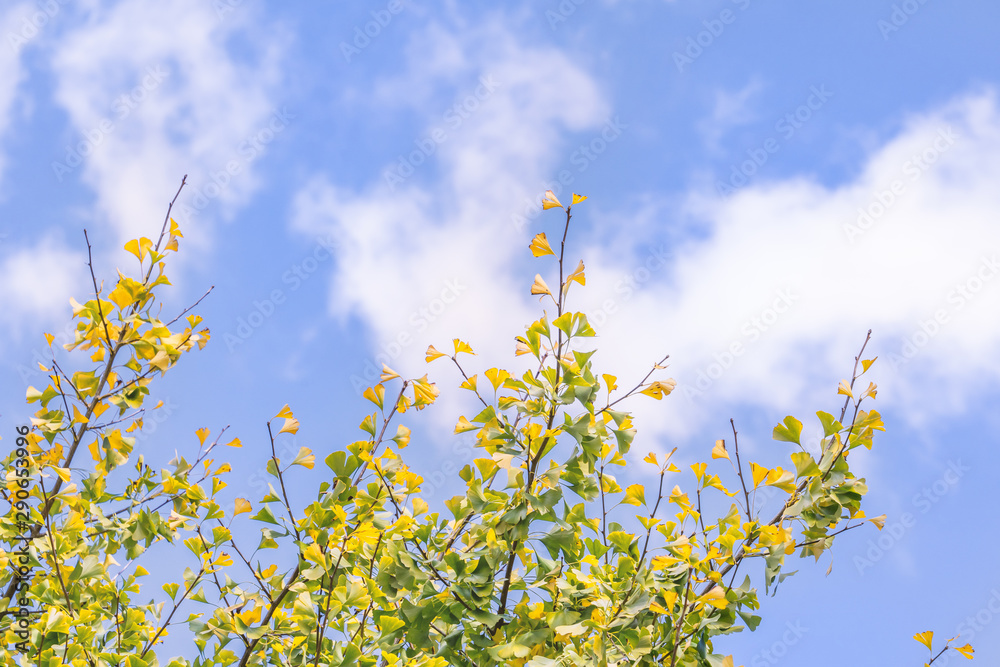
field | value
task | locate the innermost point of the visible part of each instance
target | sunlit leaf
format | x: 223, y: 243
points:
x: 789, y: 431
x: 291, y: 425
x: 635, y: 495
x: 966, y: 650
x: 719, y: 451
x: 433, y: 354
x: 464, y: 425
x: 461, y: 346
x: 550, y: 201
x: 659, y: 389
x: 540, y: 246
x: 539, y: 286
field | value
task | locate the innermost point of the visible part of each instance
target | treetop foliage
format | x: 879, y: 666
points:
x: 544, y: 559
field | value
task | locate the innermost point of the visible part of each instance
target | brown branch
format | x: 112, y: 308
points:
x: 680, y: 621
x: 270, y: 612
x: 281, y: 481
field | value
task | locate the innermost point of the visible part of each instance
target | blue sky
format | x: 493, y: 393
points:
x: 766, y: 175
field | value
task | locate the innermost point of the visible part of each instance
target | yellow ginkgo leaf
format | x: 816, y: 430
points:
x: 966, y: 650
x: 402, y: 438
x: 716, y: 597
x: 719, y: 451
x: 759, y: 473
x: 497, y: 376
x: 651, y: 458
x: 635, y: 495
x: 879, y: 521
x: 425, y: 392
x: 577, y: 199
x: 539, y: 286
x: 845, y: 389
x: 375, y: 394
x: 540, y: 246
x: 433, y: 354
x: 139, y: 247
x: 304, y: 458
x: 872, y: 391
x: 550, y: 201
x: 925, y: 638
x: 202, y: 433
x: 133, y: 247
x: 242, y: 506
x: 611, y: 381
x: 464, y: 425
x: 655, y: 606
x: 291, y: 425
x: 79, y: 417
x: 388, y: 374
x: 660, y: 389
x: 48, y: 338
x: 461, y: 346
x: 577, y: 275
x: 285, y: 412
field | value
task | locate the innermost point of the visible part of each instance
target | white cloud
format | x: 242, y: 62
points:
x: 37, y: 283
x: 730, y: 109
x: 155, y: 91
x: 15, y: 30
x: 780, y: 246
x: 798, y: 237
x: 422, y: 264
